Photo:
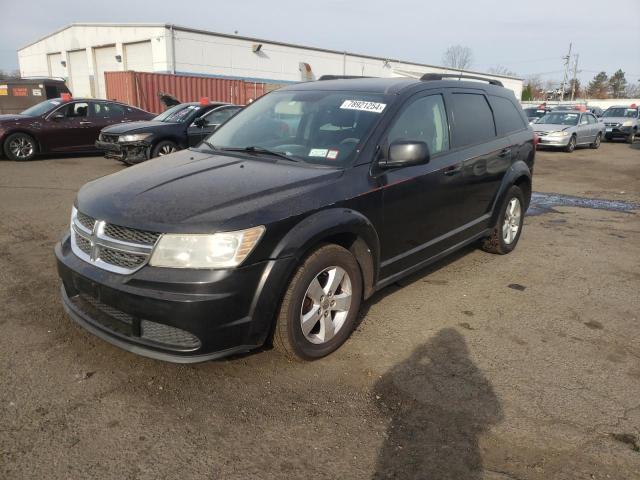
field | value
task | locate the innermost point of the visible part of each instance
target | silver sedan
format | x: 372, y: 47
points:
x: 569, y: 128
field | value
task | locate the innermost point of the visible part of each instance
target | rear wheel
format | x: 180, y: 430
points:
x: 506, y: 232
x: 165, y: 147
x: 320, y: 307
x: 571, y: 146
x: 596, y: 142
x: 20, y: 147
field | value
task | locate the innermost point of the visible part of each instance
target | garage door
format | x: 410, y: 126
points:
x: 55, y: 67
x: 79, y: 79
x: 138, y: 57
x: 105, y: 62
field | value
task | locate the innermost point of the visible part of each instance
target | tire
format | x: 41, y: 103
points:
x: 498, y: 242
x: 571, y: 146
x: 328, y: 317
x: 164, y: 147
x: 631, y: 137
x: 596, y: 143
x: 20, y: 147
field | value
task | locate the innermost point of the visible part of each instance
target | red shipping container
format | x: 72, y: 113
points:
x: 141, y: 89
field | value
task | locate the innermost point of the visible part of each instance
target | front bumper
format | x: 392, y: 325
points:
x: 130, y: 152
x: 548, y: 141
x: 617, y: 132
x: 175, y: 315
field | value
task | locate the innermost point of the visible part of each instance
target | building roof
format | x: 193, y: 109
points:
x: 258, y: 40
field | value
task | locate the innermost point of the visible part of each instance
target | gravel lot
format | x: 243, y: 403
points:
x: 524, y: 366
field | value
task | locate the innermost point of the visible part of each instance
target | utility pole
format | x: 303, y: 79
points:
x: 575, y: 77
x: 567, y: 60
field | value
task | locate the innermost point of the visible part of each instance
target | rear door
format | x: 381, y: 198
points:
x: 584, y: 129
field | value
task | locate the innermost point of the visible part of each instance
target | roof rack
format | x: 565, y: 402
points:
x: 459, y: 76
x: 340, y: 77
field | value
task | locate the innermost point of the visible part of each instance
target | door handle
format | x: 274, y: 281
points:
x: 86, y: 123
x: 505, y: 152
x: 453, y: 169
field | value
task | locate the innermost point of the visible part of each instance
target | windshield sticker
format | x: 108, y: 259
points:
x: 363, y: 105
x: 318, y: 152
x: 332, y: 154
x: 55, y: 102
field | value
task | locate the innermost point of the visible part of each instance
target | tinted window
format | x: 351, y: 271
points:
x: 75, y: 110
x: 108, y: 110
x: 219, y: 116
x: 472, y: 119
x: 507, y: 116
x: 424, y: 120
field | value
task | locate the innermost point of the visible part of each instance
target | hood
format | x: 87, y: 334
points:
x: 13, y: 117
x: 550, y: 127
x: 615, y: 119
x: 132, y: 127
x: 192, y: 191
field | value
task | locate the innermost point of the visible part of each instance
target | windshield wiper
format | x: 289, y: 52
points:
x: 210, y: 145
x: 265, y: 151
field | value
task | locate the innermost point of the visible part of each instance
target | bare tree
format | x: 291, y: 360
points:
x: 9, y: 75
x: 537, y: 90
x: 458, y: 57
x: 502, y: 70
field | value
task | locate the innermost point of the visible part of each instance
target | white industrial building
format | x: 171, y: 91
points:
x: 82, y: 52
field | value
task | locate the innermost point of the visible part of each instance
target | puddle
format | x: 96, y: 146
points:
x: 544, y: 203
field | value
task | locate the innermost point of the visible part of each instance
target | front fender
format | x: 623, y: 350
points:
x: 334, y: 223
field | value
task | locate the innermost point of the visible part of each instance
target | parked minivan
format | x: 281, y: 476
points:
x: 284, y: 220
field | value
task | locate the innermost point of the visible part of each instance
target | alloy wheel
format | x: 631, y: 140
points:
x: 326, y: 305
x: 166, y: 150
x: 512, y: 219
x: 21, y: 148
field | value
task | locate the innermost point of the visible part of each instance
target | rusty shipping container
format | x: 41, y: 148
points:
x: 141, y: 89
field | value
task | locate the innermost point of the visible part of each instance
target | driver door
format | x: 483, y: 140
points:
x: 212, y: 120
x: 70, y: 128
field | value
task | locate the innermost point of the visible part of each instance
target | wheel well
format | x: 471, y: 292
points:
x: 359, y: 249
x: 524, y: 183
x: 8, y: 134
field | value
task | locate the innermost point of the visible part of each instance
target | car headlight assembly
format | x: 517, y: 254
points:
x: 134, y: 137
x: 218, y: 250
x: 559, y: 134
x: 627, y: 123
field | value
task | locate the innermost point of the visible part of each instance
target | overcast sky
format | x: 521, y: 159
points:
x: 526, y: 37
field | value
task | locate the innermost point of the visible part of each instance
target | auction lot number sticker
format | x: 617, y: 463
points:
x: 363, y: 105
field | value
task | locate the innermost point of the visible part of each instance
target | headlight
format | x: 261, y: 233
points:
x: 134, y: 137
x: 558, y: 134
x: 627, y: 123
x: 220, y: 250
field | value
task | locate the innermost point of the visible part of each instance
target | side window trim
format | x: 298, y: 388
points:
x: 407, y: 102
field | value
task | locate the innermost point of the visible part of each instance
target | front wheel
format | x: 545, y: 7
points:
x: 321, y: 304
x: 506, y: 232
x: 596, y: 143
x: 631, y: 137
x: 571, y: 146
x: 164, y: 147
x: 20, y: 147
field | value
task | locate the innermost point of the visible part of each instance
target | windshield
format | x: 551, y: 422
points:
x: 321, y: 127
x: 178, y: 114
x: 560, y: 118
x: 621, y: 112
x: 41, y: 108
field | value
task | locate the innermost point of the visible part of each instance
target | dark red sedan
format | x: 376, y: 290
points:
x: 61, y: 126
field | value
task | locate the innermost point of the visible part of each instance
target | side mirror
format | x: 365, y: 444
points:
x: 403, y: 153
x: 200, y: 122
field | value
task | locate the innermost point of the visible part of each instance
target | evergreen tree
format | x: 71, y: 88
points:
x: 599, y: 86
x: 618, y: 84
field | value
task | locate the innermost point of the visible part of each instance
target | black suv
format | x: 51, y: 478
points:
x: 297, y: 209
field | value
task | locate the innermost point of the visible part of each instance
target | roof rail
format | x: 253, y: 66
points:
x: 340, y: 77
x: 459, y: 76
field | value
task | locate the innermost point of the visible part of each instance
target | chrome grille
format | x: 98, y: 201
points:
x: 130, y: 234
x: 612, y: 124
x: 86, y: 221
x: 111, y: 247
x: 541, y: 134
